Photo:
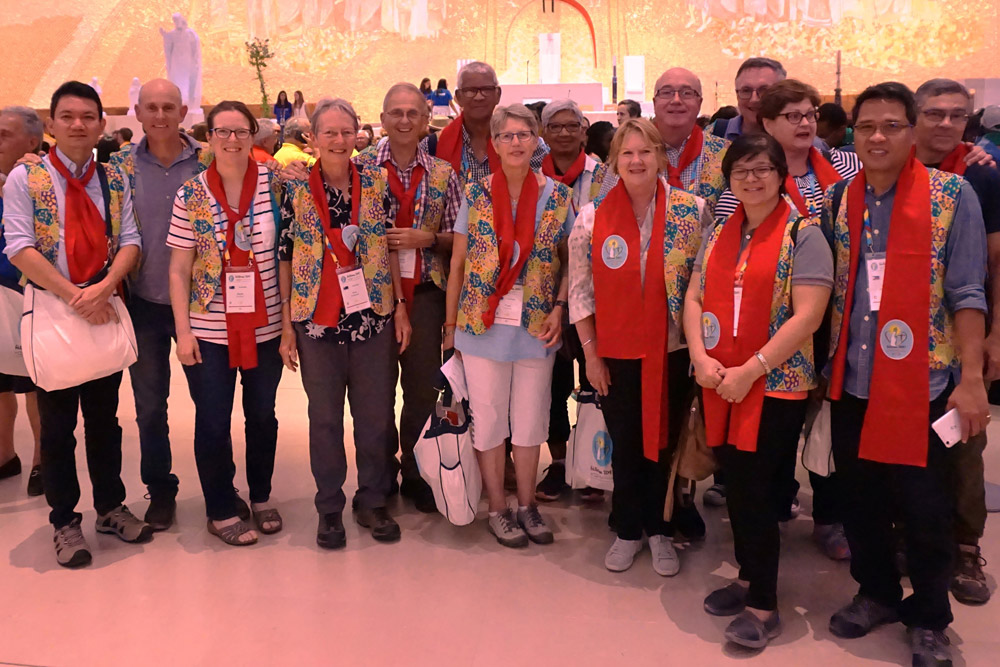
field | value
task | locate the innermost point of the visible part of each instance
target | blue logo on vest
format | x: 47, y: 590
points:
x: 896, y: 339
x: 614, y: 252
x: 710, y: 330
x: 602, y: 448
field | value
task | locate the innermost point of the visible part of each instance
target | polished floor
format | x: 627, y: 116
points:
x: 442, y: 596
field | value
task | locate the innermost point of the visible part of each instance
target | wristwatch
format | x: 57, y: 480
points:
x: 400, y: 300
x: 564, y: 304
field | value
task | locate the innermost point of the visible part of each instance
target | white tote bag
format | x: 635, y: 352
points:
x: 61, y: 349
x: 447, y: 462
x: 588, y: 452
x: 11, y: 355
x: 817, y: 455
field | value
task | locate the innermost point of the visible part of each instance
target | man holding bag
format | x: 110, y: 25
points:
x: 70, y: 230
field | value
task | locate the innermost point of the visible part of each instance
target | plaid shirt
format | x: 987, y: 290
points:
x: 691, y: 174
x: 474, y: 170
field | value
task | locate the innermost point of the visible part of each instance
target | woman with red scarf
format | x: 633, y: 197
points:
x: 224, y: 294
x: 761, y: 287
x: 506, y: 296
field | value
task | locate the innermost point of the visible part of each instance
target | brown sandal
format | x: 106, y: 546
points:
x: 231, y: 534
x: 269, y: 515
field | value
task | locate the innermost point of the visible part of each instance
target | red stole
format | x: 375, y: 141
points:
x: 896, y: 425
x: 450, y: 143
x: 620, y: 294
x: 692, y: 149
x: 955, y: 161
x: 573, y: 173
x: 509, y: 230
x: 241, y: 328
x: 84, y: 228
x: 825, y: 174
x: 739, y: 423
x: 404, y: 220
x: 329, y: 301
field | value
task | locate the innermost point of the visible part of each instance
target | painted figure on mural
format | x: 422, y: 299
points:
x: 182, y: 51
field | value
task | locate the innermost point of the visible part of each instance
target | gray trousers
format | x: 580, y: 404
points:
x: 969, y: 486
x: 365, y: 373
x: 418, y: 366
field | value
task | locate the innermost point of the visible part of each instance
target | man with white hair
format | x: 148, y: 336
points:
x: 265, y: 139
x: 296, y: 140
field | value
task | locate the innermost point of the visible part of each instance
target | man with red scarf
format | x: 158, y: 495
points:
x: 944, y: 107
x: 82, y: 273
x: 908, y: 317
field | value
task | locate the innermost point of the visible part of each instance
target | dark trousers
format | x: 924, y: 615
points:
x: 641, y: 484
x: 418, y: 370
x: 98, y: 400
x: 213, y: 387
x: 873, y: 494
x: 968, y: 484
x: 154, y: 330
x: 564, y: 382
x: 756, y: 494
x: 364, y: 373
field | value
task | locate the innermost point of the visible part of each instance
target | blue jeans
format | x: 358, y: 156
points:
x: 213, y: 386
x: 154, y: 329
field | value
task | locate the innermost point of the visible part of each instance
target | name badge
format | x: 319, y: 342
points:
x: 353, y: 289
x: 737, y: 300
x: 240, y: 292
x: 407, y: 262
x: 509, y: 308
x: 875, y: 265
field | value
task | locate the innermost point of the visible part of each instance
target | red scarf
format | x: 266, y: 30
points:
x: 620, y: 293
x: 573, y: 173
x: 826, y: 175
x: 509, y: 230
x: 450, y: 143
x: 241, y: 328
x: 896, y: 425
x: 84, y: 227
x: 329, y: 301
x: 955, y: 161
x: 739, y: 423
x: 404, y: 219
x: 692, y: 149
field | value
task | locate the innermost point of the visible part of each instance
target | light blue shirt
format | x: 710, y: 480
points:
x: 19, y: 211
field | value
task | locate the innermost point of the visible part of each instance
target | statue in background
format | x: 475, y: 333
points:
x: 182, y: 50
x: 133, y: 96
x: 96, y: 86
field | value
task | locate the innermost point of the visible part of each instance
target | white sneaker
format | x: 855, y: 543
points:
x: 665, y: 560
x: 621, y: 554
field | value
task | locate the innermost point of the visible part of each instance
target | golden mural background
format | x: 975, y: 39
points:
x: 357, y: 48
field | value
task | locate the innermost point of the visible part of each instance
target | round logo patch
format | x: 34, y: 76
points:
x: 896, y: 339
x: 350, y: 236
x: 240, y: 237
x: 614, y: 252
x: 602, y: 448
x: 710, y: 330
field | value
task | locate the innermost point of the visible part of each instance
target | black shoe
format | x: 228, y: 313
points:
x: 384, y: 528
x: 968, y: 583
x: 931, y: 648
x: 861, y: 617
x: 35, y: 486
x: 749, y: 631
x: 553, y: 485
x: 727, y: 601
x: 687, y: 520
x: 420, y: 493
x: 11, y: 469
x: 160, y: 513
x: 242, y: 509
x: 331, y: 533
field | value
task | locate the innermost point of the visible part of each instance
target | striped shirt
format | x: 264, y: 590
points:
x: 211, y: 326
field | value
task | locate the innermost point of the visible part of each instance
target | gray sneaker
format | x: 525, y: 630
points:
x: 71, y: 548
x: 508, y: 533
x: 125, y: 525
x: 534, y: 525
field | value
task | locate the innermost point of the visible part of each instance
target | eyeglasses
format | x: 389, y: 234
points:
x: 889, y: 129
x: 508, y: 137
x: 347, y: 135
x: 937, y: 116
x: 557, y: 128
x: 746, y: 92
x: 225, y: 132
x: 684, y: 92
x: 795, y: 117
x: 470, y: 93
x: 412, y: 115
x: 759, y: 172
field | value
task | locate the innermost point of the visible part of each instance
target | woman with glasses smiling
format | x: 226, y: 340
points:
x: 224, y: 233
x: 760, y: 289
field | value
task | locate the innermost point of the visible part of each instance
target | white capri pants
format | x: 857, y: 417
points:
x: 509, y: 399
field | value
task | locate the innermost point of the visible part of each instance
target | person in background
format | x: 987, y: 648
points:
x: 299, y: 106
x: 264, y: 140
x: 628, y: 109
x: 753, y: 78
x: 364, y: 139
x: 599, y: 137
x: 282, y: 109
x: 831, y: 125
x: 727, y: 112
x: 123, y: 136
x: 296, y: 140
x: 105, y: 147
x: 442, y: 102
x: 988, y: 135
x: 425, y: 88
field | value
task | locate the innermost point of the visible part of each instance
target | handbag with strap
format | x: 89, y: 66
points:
x: 817, y: 455
x: 11, y: 355
x: 588, y: 452
x: 692, y: 460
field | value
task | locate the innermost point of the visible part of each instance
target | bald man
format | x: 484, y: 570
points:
x: 155, y: 168
x: 695, y: 158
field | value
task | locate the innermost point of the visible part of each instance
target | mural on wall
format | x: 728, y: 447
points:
x: 357, y: 48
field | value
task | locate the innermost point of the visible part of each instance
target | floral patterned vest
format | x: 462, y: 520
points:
x: 711, y: 183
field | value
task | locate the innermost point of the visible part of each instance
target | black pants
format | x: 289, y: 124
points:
x: 873, y: 492
x: 98, y: 400
x: 641, y: 484
x: 563, y: 384
x: 756, y: 494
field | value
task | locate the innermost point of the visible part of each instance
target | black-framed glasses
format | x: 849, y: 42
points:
x: 558, y: 128
x: 225, y: 132
x: 472, y: 91
x: 795, y: 117
x: 937, y: 116
x: 746, y: 92
x: 890, y: 128
x: 507, y: 137
x: 684, y: 92
x: 759, y: 172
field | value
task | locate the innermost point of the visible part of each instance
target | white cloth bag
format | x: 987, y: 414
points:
x: 447, y: 461
x: 11, y: 355
x: 817, y: 455
x: 588, y: 452
x: 61, y: 349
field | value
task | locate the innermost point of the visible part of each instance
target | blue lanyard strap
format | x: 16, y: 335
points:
x: 225, y: 222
